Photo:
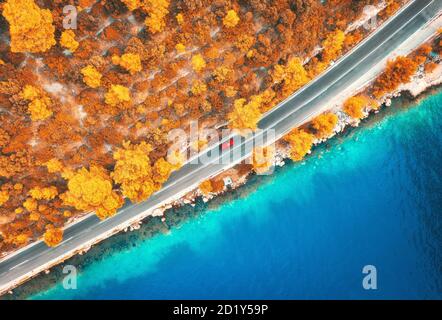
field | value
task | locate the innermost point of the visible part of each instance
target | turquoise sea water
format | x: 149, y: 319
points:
x: 370, y: 197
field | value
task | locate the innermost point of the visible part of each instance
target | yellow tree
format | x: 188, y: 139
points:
x: 116, y: 95
x: 245, y: 117
x: 67, y: 40
x: 198, y: 87
x: 180, y: 18
x: 132, y: 4
x: 17, y: 240
x: 206, y: 187
x: 180, y: 47
x: 354, y: 106
x: 134, y: 172
x: 300, y: 143
x: 30, y: 27
x: 91, y: 190
x: 162, y: 170
x: 53, y: 236
x: 39, y: 105
x: 30, y: 204
x: 54, y: 165
x: 231, y: 19
x: 4, y: 196
x: 129, y: 61
x: 324, y: 124
x: 156, y: 11
x: 198, y: 62
x: 45, y: 193
x: 293, y: 76
x: 91, y: 76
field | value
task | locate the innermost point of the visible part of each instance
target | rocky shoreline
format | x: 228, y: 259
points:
x: 194, y: 205
x: 161, y: 219
x: 412, y: 91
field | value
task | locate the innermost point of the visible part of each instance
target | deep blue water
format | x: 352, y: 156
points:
x: 373, y: 197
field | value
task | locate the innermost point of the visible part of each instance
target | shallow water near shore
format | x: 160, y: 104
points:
x: 372, y: 196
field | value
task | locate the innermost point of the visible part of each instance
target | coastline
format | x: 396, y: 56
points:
x: 176, y: 216
x: 241, y: 176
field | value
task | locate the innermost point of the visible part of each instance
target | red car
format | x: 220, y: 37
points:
x: 227, y: 145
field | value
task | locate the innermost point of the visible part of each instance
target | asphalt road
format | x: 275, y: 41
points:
x: 291, y: 113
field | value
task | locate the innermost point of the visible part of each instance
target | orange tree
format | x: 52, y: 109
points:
x: 324, y: 125
x: 91, y: 190
x: 354, y: 106
x: 397, y: 72
x: 53, y: 236
x: 30, y: 27
x: 300, y: 143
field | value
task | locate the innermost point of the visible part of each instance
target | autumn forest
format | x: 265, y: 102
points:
x: 85, y: 112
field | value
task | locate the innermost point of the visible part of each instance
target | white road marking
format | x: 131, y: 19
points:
x: 18, y: 265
